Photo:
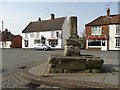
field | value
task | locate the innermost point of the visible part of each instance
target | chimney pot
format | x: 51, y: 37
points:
x: 52, y: 16
x: 108, y: 12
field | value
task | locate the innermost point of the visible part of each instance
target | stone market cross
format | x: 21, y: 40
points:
x: 73, y: 61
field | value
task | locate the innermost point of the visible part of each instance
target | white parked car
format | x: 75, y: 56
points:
x: 41, y: 47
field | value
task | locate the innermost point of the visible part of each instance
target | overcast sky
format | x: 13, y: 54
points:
x: 17, y: 15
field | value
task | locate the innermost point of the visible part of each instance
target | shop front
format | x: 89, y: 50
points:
x: 97, y: 43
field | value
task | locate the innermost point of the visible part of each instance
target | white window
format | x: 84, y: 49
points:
x: 117, y: 29
x: 57, y: 34
x: 52, y: 34
x: 37, y: 34
x: 117, y: 41
x: 96, y: 30
x: 26, y: 35
x: 53, y: 42
x: 26, y: 43
x: 32, y: 35
x: 37, y: 41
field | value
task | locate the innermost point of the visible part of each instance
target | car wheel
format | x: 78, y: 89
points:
x: 44, y: 49
x: 35, y: 48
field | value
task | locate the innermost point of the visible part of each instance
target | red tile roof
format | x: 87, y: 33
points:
x: 105, y: 20
x: 6, y: 36
x: 45, y: 25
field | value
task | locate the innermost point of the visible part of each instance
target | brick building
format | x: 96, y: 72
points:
x: 99, y: 33
x: 8, y: 40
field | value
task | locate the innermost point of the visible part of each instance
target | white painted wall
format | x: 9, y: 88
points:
x: 5, y: 44
x: 65, y: 32
x: 45, y: 34
x: 112, y: 35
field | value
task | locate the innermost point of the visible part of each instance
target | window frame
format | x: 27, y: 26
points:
x: 95, y: 31
x: 37, y: 34
x: 117, y: 44
x: 93, y: 41
x: 37, y: 41
x: 53, y: 42
x: 57, y: 34
x: 26, y: 35
x: 117, y: 29
x: 52, y: 34
x: 26, y: 42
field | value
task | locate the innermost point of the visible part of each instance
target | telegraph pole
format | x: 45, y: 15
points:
x: 2, y: 26
x: 1, y: 33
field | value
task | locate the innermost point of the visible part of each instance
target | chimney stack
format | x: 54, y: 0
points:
x: 108, y: 12
x: 52, y: 16
x: 39, y: 19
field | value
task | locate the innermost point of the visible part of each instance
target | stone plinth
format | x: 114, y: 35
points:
x: 74, y: 63
x: 61, y: 64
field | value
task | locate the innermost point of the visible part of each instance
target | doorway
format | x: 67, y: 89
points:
x: 104, y: 45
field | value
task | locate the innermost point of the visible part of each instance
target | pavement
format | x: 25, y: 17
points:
x: 108, y: 80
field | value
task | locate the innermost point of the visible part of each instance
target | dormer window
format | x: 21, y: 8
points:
x: 96, y: 30
x: 118, y: 29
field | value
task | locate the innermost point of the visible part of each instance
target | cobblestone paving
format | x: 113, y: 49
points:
x: 17, y: 82
x: 14, y: 81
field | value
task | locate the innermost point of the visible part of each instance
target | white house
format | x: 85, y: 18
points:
x: 52, y: 32
x: 103, y: 33
x: 6, y: 39
x: 114, y: 37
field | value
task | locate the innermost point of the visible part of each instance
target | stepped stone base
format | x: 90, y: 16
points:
x: 68, y: 64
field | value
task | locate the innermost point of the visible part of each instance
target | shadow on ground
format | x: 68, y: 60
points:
x: 110, y: 67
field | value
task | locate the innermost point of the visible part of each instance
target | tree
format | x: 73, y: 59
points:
x: 82, y: 34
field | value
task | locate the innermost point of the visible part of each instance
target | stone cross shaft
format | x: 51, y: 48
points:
x: 72, y: 47
x: 73, y: 25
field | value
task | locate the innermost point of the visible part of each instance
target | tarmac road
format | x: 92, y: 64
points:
x: 14, y: 58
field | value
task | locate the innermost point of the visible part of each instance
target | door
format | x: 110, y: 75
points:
x: 104, y: 45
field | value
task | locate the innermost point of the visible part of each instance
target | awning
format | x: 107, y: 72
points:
x: 97, y: 37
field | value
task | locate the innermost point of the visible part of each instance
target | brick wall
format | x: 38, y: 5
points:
x: 88, y: 30
x: 17, y: 42
x: 105, y: 30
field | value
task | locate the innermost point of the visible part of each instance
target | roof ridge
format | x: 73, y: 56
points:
x: 45, y: 25
x: 48, y: 19
x: 112, y: 15
x: 105, y: 20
